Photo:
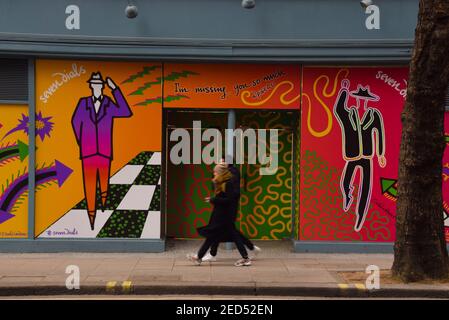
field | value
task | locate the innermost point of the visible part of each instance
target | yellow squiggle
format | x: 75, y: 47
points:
x: 281, y: 172
x: 325, y: 132
x: 246, y: 94
x: 251, y: 230
x: 276, y: 226
x: 256, y: 218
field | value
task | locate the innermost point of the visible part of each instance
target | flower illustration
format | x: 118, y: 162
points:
x: 43, y: 126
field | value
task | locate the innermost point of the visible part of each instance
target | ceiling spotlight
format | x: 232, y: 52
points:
x: 248, y: 4
x: 366, y: 3
x: 131, y: 11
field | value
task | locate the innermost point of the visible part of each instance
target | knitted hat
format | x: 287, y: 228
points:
x: 221, y: 168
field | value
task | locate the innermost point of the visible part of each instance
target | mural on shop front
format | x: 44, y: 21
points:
x: 367, y: 132
x: 297, y: 175
x: 13, y: 173
x: 390, y: 191
x: 390, y: 185
x: 14, y: 189
x: 350, y: 113
x: 362, y: 139
x: 445, y: 173
x: 109, y: 184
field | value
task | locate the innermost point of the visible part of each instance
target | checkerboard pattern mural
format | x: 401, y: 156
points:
x: 132, y: 209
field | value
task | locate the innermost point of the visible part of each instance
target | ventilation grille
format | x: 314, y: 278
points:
x: 13, y: 79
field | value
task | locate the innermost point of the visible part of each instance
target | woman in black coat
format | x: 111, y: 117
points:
x: 221, y: 227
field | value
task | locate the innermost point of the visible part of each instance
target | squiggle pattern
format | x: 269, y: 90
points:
x: 265, y: 206
x: 325, y: 132
x: 266, y: 211
x: 321, y: 216
x: 246, y: 94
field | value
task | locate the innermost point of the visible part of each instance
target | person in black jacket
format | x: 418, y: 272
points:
x: 221, y: 226
x: 233, y: 210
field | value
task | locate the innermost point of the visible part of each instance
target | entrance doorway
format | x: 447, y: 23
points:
x: 266, y: 205
x: 188, y: 184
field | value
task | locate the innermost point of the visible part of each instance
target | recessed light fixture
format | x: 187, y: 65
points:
x: 131, y: 11
x: 248, y: 4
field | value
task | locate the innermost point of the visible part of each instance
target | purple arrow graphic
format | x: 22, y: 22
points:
x: 58, y: 172
x: 4, y: 216
x: 62, y: 172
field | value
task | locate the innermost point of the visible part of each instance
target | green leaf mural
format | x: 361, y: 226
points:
x: 144, y: 72
x: 159, y: 100
x: 171, y: 77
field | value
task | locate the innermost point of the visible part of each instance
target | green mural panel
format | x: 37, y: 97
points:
x: 266, y: 202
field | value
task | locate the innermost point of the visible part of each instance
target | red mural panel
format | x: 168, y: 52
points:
x: 350, y: 139
x: 446, y: 177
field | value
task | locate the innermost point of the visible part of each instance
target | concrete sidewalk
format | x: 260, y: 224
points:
x: 276, y: 271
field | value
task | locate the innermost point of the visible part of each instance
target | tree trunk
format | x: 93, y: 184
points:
x: 420, y: 248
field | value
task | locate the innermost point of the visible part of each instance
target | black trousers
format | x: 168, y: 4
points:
x: 365, y: 186
x: 236, y: 238
x: 246, y: 242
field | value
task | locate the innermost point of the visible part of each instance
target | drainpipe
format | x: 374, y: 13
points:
x: 230, y: 151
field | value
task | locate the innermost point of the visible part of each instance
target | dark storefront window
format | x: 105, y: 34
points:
x: 13, y: 80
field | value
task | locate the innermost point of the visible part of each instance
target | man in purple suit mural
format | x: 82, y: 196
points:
x: 92, y: 124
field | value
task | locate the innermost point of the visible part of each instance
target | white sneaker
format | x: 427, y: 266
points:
x: 209, y: 257
x: 194, y: 258
x: 243, y: 263
x: 253, y: 253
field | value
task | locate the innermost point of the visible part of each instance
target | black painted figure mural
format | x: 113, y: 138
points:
x: 362, y: 139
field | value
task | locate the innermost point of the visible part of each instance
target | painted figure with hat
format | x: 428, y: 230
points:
x: 362, y: 139
x: 92, y: 123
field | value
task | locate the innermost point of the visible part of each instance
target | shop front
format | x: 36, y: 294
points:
x: 122, y: 126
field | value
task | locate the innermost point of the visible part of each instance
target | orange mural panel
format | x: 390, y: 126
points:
x: 229, y: 86
x: 104, y: 129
